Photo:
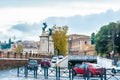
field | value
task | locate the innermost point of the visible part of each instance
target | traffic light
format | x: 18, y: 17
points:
x: 92, y: 38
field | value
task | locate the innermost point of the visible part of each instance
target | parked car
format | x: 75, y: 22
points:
x: 32, y: 64
x: 116, y: 69
x: 45, y: 62
x: 60, y: 56
x: 54, y: 59
x: 94, y: 69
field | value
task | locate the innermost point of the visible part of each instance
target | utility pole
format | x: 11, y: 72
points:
x: 113, y: 39
x: 48, y: 44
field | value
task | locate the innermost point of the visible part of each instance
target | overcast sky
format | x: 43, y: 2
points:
x: 14, y: 12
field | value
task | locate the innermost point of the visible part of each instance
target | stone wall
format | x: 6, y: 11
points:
x: 22, y: 55
x: 8, y: 63
x: 10, y: 60
x: 12, y: 63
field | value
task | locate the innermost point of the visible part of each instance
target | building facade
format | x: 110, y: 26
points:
x: 80, y: 44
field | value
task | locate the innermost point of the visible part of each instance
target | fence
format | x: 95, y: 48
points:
x: 59, y: 73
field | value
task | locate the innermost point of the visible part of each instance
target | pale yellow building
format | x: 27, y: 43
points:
x: 80, y: 44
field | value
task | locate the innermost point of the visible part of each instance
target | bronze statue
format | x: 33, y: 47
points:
x: 50, y: 31
x: 45, y: 26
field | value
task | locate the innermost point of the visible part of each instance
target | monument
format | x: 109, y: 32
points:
x: 46, y: 42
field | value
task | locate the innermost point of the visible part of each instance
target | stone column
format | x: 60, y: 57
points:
x: 33, y: 55
x: 30, y: 54
x: 8, y: 54
x: 1, y: 53
x: 26, y: 55
x: 21, y: 55
x: 15, y: 55
x: 36, y: 55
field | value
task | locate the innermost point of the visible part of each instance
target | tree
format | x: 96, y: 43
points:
x: 60, y: 40
x: 107, y: 39
x: 19, y: 49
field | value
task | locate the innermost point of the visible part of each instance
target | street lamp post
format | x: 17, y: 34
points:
x: 48, y: 44
x: 69, y: 41
x: 113, y: 41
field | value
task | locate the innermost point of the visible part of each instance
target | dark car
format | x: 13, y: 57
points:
x: 91, y: 69
x: 45, y: 63
x: 32, y: 64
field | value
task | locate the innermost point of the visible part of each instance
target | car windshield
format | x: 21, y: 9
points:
x: 55, y: 58
x: 32, y: 62
x: 77, y: 65
x: 44, y: 59
x: 84, y: 66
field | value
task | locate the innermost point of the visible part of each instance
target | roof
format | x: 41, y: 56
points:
x: 78, y: 36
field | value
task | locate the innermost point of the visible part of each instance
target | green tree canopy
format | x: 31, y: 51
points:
x: 107, y: 38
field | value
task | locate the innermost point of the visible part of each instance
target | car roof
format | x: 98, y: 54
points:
x: 92, y: 64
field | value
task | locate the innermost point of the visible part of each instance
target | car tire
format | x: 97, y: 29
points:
x: 49, y: 65
x: 113, y: 70
x: 74, y: 73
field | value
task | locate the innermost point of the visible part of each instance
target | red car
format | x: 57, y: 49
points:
x: 91, y: 69
x: 45, y: 63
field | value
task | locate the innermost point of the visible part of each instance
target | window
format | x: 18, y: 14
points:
x: 85, y: 42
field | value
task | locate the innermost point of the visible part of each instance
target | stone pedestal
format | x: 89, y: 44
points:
x: 51, y: 46
x: 46, y: 45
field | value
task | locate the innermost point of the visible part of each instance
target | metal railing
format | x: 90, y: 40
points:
x: 63, y: 73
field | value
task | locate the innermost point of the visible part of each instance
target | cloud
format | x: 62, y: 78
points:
x: 85, y: 24
x: 29, y: 31
x: 25, y: 27
x: 23, y: 31
x: 77, y: 24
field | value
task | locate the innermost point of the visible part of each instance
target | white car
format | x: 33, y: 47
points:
x: 116, y: 69
x: 54, y: 59
x: 60, y: 56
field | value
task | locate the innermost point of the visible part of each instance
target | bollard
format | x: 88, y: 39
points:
x: 88, y: 76
x: 84, y: 75
x: 101, y: 74
x: 72, y: 74
x: 46, y: 72
x: 57, y: 73
x: 35, y: 71
x: 105, y: 74
x: 18, y: 71
x: 26, y: 71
